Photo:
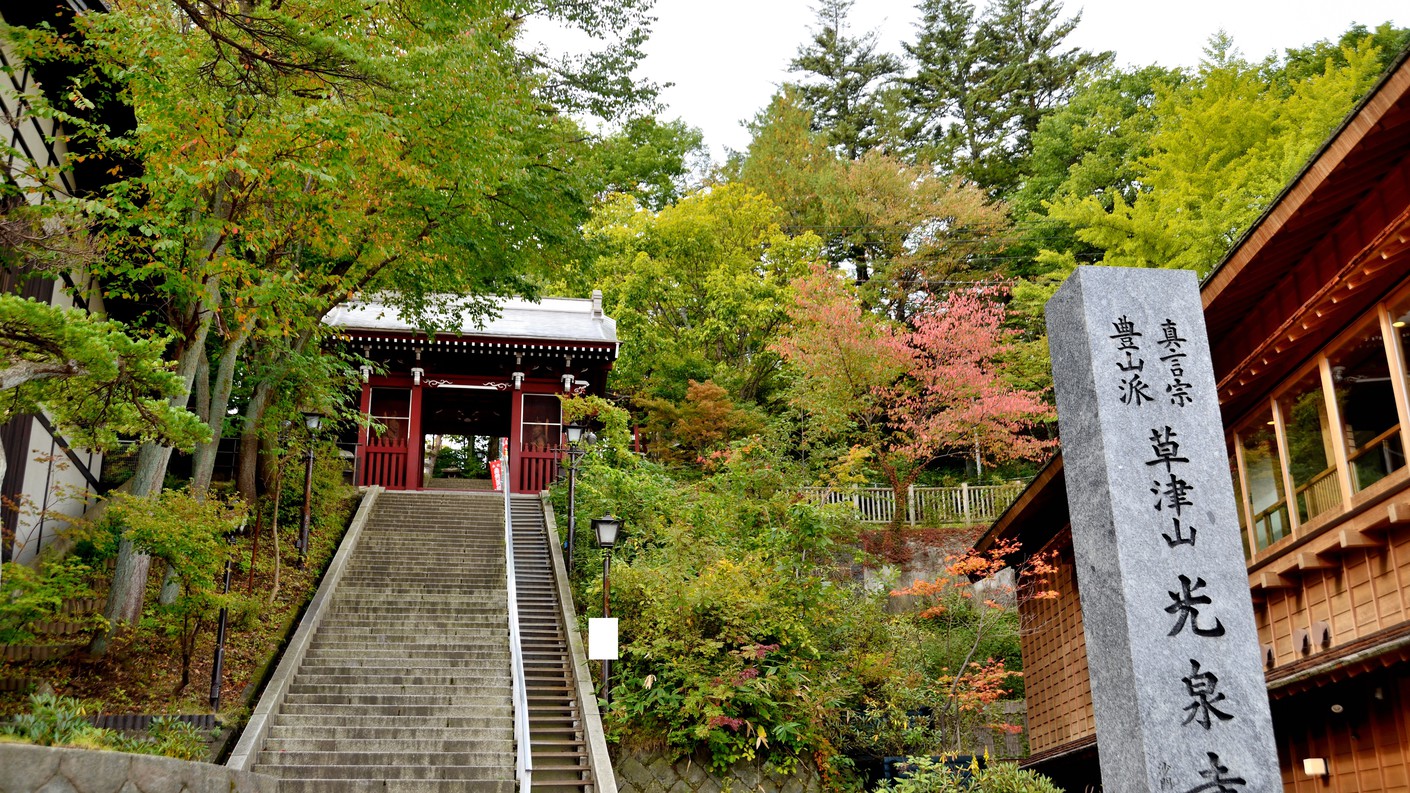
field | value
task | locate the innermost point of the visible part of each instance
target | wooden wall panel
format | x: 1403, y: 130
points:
x: 1366, y: 591
x: 1366, y: 744
x: 1055, y: 660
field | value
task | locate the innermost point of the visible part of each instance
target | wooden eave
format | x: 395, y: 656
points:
x: 450, y: 342
x: 1329, y: 246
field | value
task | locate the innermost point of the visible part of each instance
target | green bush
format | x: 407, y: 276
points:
x: 932, y: 777
x: 744, y: 633
x: 28, y: 596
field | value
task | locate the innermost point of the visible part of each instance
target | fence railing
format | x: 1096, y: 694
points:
x: 924, y: 506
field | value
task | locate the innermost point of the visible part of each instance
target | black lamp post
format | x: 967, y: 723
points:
x: 578, y: 440
x: 218, y: 663
x: 312, y: 421
x: 607, y: 529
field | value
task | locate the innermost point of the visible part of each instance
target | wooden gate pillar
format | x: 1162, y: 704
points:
x: 415, y: 444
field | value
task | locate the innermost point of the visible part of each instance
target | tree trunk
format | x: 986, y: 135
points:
x: 203, y: 463
x: 130, y: 572
x: 247, y: 474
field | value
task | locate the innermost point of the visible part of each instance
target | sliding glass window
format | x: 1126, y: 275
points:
x: 1263, y: 481
x: 1361, y: 377
x: 1311, y: 459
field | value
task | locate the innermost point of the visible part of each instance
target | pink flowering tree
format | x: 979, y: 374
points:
x: 913, y: 395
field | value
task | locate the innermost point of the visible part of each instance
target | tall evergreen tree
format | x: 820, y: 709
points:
x: 984, y: 82
x: 842, y: 75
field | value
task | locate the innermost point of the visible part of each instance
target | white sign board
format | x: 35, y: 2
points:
x: 602, y: 639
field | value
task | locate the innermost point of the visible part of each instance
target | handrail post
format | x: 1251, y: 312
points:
x: 523, y: 760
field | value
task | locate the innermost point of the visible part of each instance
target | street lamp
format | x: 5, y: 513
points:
x: 607, y: 529
x: 312, y: 421
x: 579, y: 438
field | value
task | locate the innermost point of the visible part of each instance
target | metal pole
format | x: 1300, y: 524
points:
x: 219, y: 664
x: 606, y: 612
x: 572, y: 504
x: 308, y: 506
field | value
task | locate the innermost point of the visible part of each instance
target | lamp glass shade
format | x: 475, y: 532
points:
x: 574, y: 432
x: 607, y: 529
x: 313, y: 420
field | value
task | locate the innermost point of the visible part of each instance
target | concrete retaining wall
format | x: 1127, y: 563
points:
x: 650, y: 772
x: 26, y: 769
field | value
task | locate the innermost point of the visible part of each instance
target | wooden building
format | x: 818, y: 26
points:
x: 1309, y: 324
x: 500, y: 380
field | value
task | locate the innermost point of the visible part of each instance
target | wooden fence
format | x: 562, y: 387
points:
x: 925, y: 506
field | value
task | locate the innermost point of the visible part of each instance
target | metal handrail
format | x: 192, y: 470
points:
x: 523, y: 761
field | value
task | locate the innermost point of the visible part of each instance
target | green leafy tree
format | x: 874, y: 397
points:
x: 791, y: 164
x: 1224, y: 144
x: 94, y: 380
x: 650, y: 160
x: 841, y: 77
x: 188, y: 534
x: 700, y: 288
x: 284, y: 160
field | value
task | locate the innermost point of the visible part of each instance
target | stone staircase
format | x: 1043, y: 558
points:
x: 406, y: 685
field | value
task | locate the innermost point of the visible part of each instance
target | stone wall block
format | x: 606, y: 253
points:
x: 30, y: 775
x: 95, y: 772
x: 58, y: 785
x: 152, y: 778
x: 649, y: 772
x: 43, y: 769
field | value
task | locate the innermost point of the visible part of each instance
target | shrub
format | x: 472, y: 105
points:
x: 189, y: 534
x: 30, y: 596
x: 62, y: 721
x: 929, y: 776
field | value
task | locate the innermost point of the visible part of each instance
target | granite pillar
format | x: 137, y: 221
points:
x: 1177, y: 680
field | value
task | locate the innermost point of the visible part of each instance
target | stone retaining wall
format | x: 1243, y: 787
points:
x: 27, y: 769
x: 654, y: 772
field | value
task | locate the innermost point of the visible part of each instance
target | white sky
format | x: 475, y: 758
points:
x: 726, y: 58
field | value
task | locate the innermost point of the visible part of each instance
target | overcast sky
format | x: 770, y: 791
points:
x: 727, y: 57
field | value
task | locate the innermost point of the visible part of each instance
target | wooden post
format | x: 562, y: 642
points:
x: 414, y: 443
x: 911, y: 505
x: 964, y: 496
x: 516, y: 441
x: 360, y: 454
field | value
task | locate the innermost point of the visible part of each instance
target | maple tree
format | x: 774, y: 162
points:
x: 915, y: 394
x: 951, y: 599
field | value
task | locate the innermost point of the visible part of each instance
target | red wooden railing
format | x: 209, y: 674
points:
x: 538, y: 468
x: 384, y: 462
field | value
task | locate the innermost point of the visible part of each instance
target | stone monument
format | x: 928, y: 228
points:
x: 1177, y: 680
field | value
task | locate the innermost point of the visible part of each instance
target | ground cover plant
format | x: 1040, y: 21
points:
x: 62, y: 721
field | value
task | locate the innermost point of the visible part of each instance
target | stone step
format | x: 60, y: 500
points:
x: 485, y: 628
x: 499, y: 771
x: 488, y: 757
x: 431, y: 645
x: 401, y: 678
x: 432, y: 727
x: 485, y: 698
x: 347, y: 710
x: 394, y: 668
x: 290, y: 785
x: 376, y: 595
x: 419, y: 743
x: 414, y: 693
x: 386, y: 656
